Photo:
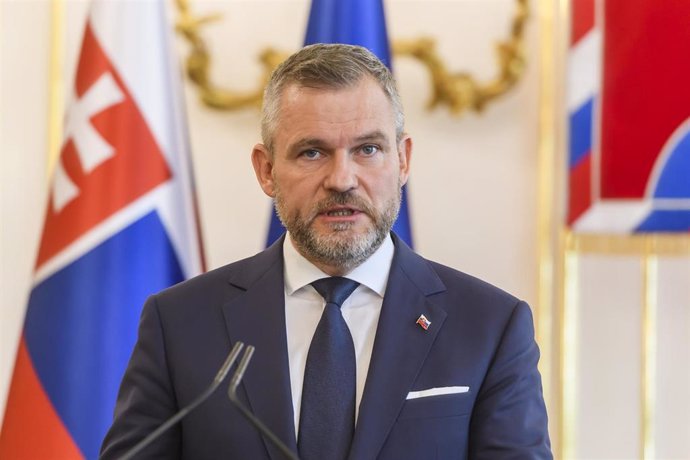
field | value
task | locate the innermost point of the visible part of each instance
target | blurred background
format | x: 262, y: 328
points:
x: 493, y: 193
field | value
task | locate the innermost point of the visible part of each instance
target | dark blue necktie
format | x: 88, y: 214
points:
x: 327, y: 413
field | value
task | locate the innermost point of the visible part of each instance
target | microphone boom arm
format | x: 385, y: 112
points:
x: 217, y: 380
x: 253, y: 419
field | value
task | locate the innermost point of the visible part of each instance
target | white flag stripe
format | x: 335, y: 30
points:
x: 151, y: 79
x: 584, y: 70
x: 613, y: 216
x: 182, y: 232
x: 107, y: 228
x: 147, y: 76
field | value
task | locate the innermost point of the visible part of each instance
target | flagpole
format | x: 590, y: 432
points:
x: 56, y: 85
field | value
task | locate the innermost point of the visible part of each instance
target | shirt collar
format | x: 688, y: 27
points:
x: 372, y: 273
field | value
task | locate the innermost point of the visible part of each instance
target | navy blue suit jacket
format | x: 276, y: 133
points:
x: 480, y: 337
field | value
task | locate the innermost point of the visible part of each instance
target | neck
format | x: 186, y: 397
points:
x: 332, y: 270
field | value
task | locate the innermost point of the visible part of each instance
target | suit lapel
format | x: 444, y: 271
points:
x: 400, y: 348
x: 257, y: 317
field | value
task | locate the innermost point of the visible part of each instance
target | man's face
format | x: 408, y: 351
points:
x: 336, y: 171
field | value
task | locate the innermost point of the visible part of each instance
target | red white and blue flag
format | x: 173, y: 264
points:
x: 628, y: 102
x: 120, y: 224
x: 423, y: 322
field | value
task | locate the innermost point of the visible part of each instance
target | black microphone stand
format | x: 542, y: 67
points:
x: 218, y: 379
x: 232, y: 395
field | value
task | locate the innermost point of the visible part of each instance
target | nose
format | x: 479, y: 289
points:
x: 342, y: 174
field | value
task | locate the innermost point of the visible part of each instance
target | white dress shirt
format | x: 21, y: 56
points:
x: 304, y: 306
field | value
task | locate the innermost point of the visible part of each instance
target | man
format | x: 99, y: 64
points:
x: 408, y: 359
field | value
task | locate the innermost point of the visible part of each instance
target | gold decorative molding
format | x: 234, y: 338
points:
x: 663, y: 244
x: 198, y: 64
x: 648, y: 376
x: 459, y: 91
x: 569, y: 346
x: 551, y: 309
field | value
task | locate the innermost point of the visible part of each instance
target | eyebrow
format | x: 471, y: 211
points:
x: 377, y: 136
x: 374, y: 136
x: 306, y: 143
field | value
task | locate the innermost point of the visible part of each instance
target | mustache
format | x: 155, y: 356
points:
x: 342, y: 199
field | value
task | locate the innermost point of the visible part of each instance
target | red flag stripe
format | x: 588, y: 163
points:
x: 28, y: 406
x: 582, y: 19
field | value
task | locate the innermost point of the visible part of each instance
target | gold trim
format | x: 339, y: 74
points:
x: 558, y: 432
x: 460, y: 90
x: 650, y: 280
x: 569, y: 349
x: 553, y: 27
x: 198, y: 64
x: 546, y: 185
x: 666, y: 244
x: 56, y: 85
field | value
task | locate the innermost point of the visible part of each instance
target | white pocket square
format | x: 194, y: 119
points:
x: 436, y: 392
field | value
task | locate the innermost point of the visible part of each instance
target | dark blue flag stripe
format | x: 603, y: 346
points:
x: 79, y: 324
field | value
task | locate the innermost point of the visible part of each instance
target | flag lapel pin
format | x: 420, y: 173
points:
x: 423, y: 322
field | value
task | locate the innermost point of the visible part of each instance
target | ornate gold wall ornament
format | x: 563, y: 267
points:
x: 458, y: 90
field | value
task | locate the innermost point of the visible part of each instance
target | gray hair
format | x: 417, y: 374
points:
x: 328, y: 66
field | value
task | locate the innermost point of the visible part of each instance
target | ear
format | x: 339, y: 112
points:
x: 404, y: 157
x: 263, y: 168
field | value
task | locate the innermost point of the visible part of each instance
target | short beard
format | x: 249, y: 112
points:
x: 338, y: 248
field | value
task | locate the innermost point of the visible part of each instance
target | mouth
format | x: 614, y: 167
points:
x: 341, y: 212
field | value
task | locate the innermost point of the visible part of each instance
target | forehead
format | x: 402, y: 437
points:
x: 334, y: 112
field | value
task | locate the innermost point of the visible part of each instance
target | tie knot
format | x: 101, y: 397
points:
x: 335, y: 289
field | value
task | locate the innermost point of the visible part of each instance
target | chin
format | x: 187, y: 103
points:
x: 343, y: 232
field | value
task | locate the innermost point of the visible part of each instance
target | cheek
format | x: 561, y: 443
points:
x: 382, y: 187
x: 296, y: 193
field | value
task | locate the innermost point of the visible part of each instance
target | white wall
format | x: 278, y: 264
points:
x: 24, y: 55
x: 608, y: 370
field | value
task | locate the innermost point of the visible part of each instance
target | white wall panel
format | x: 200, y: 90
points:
x: 673, y: 359
x: 608, y: 365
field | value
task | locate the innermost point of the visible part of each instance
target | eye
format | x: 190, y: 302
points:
x: 369, y: 149
x: 311, y: 154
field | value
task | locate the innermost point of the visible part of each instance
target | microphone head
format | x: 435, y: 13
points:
x: 225, y: 368
x: 239, y: 372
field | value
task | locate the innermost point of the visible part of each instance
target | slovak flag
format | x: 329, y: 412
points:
x: 120, y: 225
x: 354, y: 22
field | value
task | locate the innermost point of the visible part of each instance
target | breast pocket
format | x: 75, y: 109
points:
x: 432, y: 427
x: 438, y: 406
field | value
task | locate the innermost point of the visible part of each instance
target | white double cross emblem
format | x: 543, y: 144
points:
x: 92, y: 149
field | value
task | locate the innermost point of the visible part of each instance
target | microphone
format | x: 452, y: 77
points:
x: 232, y: 395
x: 217, y: 380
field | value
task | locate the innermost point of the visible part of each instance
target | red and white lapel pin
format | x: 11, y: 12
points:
x: 423, y: 322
